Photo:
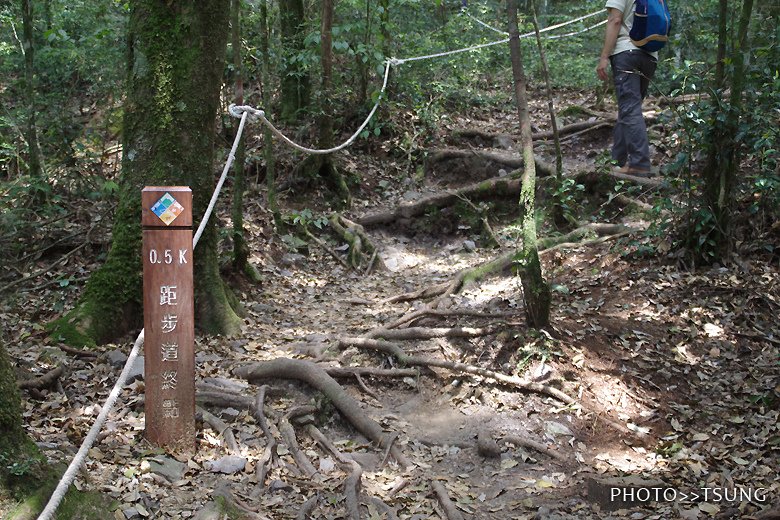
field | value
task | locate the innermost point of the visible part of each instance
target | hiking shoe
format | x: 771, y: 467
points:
x: 645, y: 173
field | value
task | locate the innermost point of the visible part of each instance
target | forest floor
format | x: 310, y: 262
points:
x: 675, y: 374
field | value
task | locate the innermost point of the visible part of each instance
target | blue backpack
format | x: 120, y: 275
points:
x: 651, y: 26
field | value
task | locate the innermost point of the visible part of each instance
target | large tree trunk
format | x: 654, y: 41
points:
x: 295, y: 78
x: 175, y: 70
x: 536, y: 292
x: 723, y: 160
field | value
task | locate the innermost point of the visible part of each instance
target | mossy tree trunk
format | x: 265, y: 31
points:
x: 176, y: 56
x: 720, y: 171
x: 536, y: 292
x: 295, y: 76
x: 16, y: 447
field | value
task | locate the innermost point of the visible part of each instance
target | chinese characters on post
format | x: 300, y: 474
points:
x: 169, y: 317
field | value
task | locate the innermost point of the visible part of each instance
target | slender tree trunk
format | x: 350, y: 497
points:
x: 240, y: 248
x: 723, y: 160
x: 268, y: 144
x: 175, y: 69
x: 31, y: 132
x: 536, y: 292
x: 295, y: 77
x: 720, y: 64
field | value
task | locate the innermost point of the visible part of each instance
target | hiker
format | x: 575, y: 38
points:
x: 632, y: 70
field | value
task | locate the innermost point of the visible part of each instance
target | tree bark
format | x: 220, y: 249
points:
x: 34, y: 168
x: 295, y: 79
x: 268, y: 150
x: 15, y: 445
x: 536, y: 292
x: 240, y: 247
x: 175, y: 70
x: 723, y: 160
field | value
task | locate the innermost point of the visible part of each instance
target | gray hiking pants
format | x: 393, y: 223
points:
x: 632, y: 72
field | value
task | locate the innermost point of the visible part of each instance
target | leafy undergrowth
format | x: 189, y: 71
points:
x: 687, y: 362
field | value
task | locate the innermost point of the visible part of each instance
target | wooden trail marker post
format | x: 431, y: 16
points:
x: 169, y: 323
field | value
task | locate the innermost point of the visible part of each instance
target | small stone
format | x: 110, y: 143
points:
x: 116, y: 358
x: 137, y: 370
x: 131, y: 513
x: 487, y: 446
x: 262, y: 308
x: 171, y: 469
x: 228, y: 464
x: 469, y: 245
x: 291, y: 259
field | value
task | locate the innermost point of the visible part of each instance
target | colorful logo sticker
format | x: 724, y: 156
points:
x: 167, y: 209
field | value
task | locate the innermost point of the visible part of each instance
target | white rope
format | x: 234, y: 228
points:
x: 259, y: 114
x: 108, y: 406
x: 575, y: 33
x: 78, y: 460
x: 480, y: 22
x: 213, y: 202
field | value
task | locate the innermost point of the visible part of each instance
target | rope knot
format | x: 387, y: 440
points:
x: 238, y: 110
x: 395, y: 61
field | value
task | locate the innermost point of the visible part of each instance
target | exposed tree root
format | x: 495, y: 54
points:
x: 352, y: 491
x: 219, y: 426
x: 316, y: 377
x: 264, y: 464
x: 358, y: 241
x: 496, y: 187
x: 450, y: 510
x: 506, y: 159
x: 307, y: 508
x: 288, y: 434
x: 384, y: 508
x: 455, y: 366
x: 412, y: 333
x: 426, y: 311
x: 47, y: 380
x: 504, y: 261
x: 348, y: 372
x: 533, y: 445
x: 652, y: 182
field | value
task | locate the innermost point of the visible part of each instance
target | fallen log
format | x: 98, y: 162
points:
x: 316, y: 377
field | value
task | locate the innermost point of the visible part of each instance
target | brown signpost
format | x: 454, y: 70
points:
x: 169, y: 325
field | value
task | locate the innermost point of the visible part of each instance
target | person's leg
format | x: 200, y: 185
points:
x: 627, y: 72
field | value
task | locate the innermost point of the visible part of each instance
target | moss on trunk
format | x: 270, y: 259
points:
x: 176, y: 57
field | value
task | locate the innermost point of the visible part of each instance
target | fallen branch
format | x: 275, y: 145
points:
x: 533, y: 445
x: 450, y: 510
x: 316, y: 377
x: 47, y: 380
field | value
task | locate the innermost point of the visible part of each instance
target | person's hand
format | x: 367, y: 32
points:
x: 601, y: 69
